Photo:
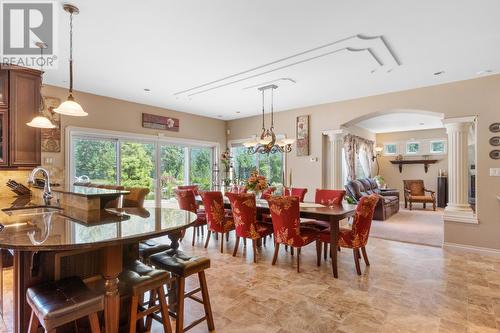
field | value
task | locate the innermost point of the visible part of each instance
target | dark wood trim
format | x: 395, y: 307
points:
x: 4, y: 89
x: 424, y: 162
x: 16, y: 68
x: 4, y: 157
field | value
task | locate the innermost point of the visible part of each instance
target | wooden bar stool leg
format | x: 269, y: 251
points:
x: 221, y: 243
x: 325, y: 251
x: 34, y: 323
x: 152, y: 300
x: 134, y: 303
x: 179, y: 323
x: 206, y: 300
x: 164, y: 311
x: 254, y: 245
x: 94, y: 323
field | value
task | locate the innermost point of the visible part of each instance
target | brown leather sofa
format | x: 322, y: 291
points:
x: 388, y: 204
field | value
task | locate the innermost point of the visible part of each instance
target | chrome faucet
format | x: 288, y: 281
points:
x: 47, y: 192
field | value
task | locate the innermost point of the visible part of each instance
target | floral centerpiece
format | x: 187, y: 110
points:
x: 256, y: 183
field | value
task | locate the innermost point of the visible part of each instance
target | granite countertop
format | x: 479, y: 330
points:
x: 91, y: 191
x: 61, y: 227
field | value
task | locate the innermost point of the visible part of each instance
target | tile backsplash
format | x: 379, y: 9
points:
x: 20, y: 176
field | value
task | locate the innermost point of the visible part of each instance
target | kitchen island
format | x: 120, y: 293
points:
x: 50, y: 243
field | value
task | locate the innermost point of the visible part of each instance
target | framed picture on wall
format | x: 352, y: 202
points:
x: 302, y: 135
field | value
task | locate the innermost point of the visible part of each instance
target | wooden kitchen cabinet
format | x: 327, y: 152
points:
x: 19, y: 103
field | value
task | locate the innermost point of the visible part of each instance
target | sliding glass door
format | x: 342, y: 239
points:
x: 172, y: 170
x: 96, y: 159
x: 156, y: 164
x: 138, y: 167
x: 200, y: 167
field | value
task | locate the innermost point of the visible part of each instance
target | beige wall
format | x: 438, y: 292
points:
x: 390, y: 172
x: 472, y: 97
x: 118, y: 115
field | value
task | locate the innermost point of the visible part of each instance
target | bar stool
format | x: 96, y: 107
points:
x: 150, y: 247
x: 181, y: 266
x: 54, y: 304
x: 136, y: 280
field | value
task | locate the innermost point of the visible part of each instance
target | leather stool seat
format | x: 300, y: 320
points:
x: 64, y: 301
x: 178, y: 263
x: 149, y: 247
x: 182, y: 266
x: 138, y: 278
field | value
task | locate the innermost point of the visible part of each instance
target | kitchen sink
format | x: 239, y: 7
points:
x: 30, y: 211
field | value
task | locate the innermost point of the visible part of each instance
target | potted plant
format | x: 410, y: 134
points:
x: 380, y: 181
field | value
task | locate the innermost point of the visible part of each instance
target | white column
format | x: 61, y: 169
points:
x: 458, y: 208
x: 336, y: 143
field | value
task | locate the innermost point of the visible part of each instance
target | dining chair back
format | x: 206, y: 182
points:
x: 329, y: 197
x: 285, y: 214
x: 218, y: 220
x: 195, y: 188
x: 296, y: 192
x: 186, y: 199
x: 244, y: 209
x: 362, y: 220
x: 268, y: 192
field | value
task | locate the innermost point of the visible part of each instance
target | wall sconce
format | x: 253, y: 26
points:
x: 378, y: 150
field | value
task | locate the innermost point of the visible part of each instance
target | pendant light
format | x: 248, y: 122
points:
x: 41, y: 121
x: 70, y: 107
x: 268, y: 143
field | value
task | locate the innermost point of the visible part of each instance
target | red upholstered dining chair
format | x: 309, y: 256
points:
x: 357, y: 237
x: 296, y: 192
x: 326, y: 198
x: 268, y: 192
x: 189, y: 187
x: 217, y: 219
x: 285, y: 213
x: 187, y: 201
x: 244, y: 208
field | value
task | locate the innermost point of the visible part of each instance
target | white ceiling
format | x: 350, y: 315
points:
x: 401, y: 121
x: 122, y: 47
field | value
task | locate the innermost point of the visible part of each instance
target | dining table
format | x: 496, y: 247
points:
x: 332, y: 214
x: 49, y: 245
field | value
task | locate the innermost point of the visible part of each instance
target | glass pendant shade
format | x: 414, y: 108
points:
x: 71, y: 108
x: 41, y: 122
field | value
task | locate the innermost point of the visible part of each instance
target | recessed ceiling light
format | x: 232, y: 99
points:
x: 238, y: 111
x: 421, y: 124
x: 220, y: 116
x: 484, y: 71
x: 147, y: 89
x: 439, y: 73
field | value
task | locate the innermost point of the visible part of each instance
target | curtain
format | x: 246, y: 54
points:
x: 350, y: 156
x: 358, y: 147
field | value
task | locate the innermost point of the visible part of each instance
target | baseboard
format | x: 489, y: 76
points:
x: 471, y: 248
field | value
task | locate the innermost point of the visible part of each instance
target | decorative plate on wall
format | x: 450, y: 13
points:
x: 495, y: 141
x: 495, y: 154
x: 495, y: 127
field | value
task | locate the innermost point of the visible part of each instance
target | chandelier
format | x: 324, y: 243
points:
x: 267, y: 142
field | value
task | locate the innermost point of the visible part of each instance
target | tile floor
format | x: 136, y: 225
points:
x: 408, y: 288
